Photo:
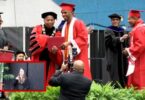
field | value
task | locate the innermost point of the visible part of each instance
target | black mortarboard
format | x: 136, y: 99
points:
x: 44, y: 15
x: 19, y: 52
x: 1, y: 13
x: 114, y: 16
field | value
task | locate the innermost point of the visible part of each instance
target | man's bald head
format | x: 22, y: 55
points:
x: 79, y: 66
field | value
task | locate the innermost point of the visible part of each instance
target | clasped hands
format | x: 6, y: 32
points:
x: 54, y: 49
x: 125, y: 52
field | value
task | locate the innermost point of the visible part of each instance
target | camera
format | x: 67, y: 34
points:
x: 71, y: 57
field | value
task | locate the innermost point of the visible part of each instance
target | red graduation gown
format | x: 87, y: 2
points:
x: 137, y: 52
x: 80, y: 38
x: 41, y: 44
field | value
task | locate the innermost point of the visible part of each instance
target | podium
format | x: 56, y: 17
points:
x: 6, y: 55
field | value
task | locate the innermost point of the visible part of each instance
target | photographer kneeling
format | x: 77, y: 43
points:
x: 74, y: 86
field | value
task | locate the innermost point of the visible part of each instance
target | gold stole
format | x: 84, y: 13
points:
x: 66, y: 40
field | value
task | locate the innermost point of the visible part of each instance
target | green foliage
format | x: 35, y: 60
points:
x: 8, y: 76
x: 107, y: 92
x: 4, y: 75
x: 97, y: 92
x: 52, y: 93
x: 6, y: 68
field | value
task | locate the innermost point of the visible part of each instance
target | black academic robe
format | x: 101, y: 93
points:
x: 3, y: 41
x: 116, y: 61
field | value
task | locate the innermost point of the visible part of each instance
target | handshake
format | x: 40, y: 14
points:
x: 124, y: 37
x: 63, y: 47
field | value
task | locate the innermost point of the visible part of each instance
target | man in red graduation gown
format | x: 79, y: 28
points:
x: 38, y: 44
x: 136, y: 51
x: 76, y: 34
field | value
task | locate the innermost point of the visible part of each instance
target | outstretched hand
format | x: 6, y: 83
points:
x: 64, y: 67
x: 65, y: 44
x: 124, y: 37
x: 125, y: 52
x: 54, y: 49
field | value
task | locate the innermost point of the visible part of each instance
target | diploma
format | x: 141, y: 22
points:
x: 131, y: 67
x: 55, y: 41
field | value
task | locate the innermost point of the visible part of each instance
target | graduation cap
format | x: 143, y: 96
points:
x: 19, y: 52
x: 114, y: 16
x: 1, y: 13
x: 44, y: 15
x: 67, y: 6
x: 135, y: 13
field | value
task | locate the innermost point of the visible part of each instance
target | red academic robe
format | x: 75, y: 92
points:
x: 40, y: 43
x: 78, y: 36
x: 137, y: 55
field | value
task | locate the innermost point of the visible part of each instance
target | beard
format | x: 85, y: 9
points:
x: 132, y: 24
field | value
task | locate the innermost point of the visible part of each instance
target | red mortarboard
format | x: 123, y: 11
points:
x: 67, y: 6
x: 135, y: 13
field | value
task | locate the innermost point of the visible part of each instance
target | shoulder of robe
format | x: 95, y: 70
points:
x: 79, y: 22
x: 38, y: 26
x: 142, y: 27
x: 108, y: 31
